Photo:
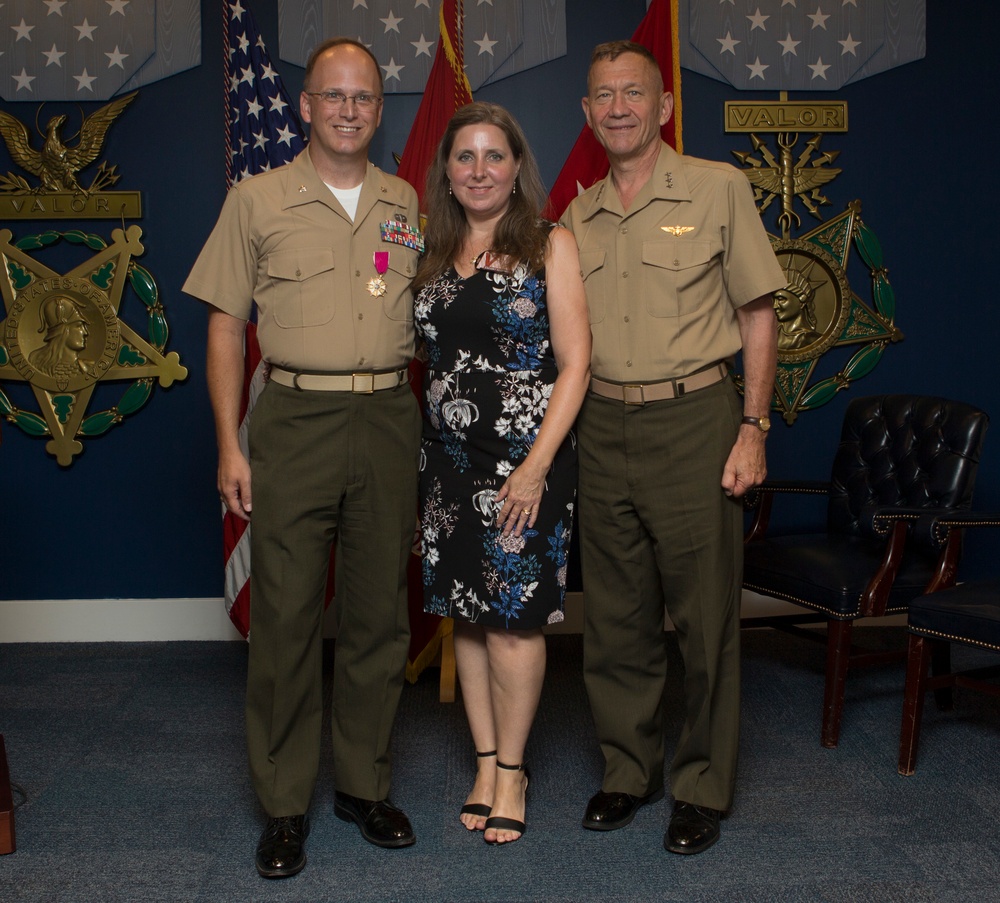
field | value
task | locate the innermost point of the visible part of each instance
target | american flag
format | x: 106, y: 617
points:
x: 263, y: 132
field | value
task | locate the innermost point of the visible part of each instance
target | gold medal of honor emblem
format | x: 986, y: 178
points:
x: 63, y: 334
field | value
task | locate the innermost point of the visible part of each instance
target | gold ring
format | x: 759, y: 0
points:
x: 525, y: 511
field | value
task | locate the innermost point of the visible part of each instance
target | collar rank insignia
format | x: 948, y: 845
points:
x: 402, y: 234
x: 677, y: 230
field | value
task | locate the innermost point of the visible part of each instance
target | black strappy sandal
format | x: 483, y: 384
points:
x: 480, y: 810
x: 500, y: 821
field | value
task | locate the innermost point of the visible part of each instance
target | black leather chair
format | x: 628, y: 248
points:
x: 969, y: 614
x: 901, y: 458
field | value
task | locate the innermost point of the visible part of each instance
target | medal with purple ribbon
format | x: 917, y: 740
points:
x: 376, y: 285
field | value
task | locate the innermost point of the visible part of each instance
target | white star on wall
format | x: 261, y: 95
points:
x: 116, y: 58
x: 788, y: 45
x: 55, y: 6
x: 53, y: 56
x: 486, y: 45
x: 819, y: 70
x: 84, y: 81
x: 117, y: 6
x: 757, y: 20
x: 393, y: 70
x: 849, y: 45
x: 391, y: 22
x: 23, y: 31
x: 423, y: 46
x: 23, y: 80
x: 757, y: 69
x: 819, y: 20
x: 86, y: 31
x: 728, y: 43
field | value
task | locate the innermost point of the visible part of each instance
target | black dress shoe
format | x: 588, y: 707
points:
x: 692, y: 828
x: 281, y: 850
x: 380, y: 822
x: 608, y: 811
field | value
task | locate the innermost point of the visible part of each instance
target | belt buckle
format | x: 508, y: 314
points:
x: 370, y: 390
x: 626, y: 387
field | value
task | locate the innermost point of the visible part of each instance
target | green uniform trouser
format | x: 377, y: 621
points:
x: 328, y: 465
x: 656, y: 528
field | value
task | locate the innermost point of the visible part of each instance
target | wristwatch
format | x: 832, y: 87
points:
x: 762, y: 423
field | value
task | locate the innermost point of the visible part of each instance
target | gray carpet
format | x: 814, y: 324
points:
x: 132, y: 760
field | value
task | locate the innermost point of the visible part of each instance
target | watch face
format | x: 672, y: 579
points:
x: 765, y: 424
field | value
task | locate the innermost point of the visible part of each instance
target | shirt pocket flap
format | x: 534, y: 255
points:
x: 676, y: 255
x: 299, y: 265
x: 591, y: 260
x: 403, y: 260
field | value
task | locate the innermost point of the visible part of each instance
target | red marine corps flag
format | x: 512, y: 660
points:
x: 587, y: 163
x: 447, y: 90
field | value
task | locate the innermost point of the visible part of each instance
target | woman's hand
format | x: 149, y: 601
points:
x: 521, y: 495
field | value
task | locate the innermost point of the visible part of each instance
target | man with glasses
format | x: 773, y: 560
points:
x: 325, y: 247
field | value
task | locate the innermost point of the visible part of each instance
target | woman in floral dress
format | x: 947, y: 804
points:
x: 501, y: 309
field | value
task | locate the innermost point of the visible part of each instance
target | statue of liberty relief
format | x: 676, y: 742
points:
x: 65, y: 335
x: 794, y: 306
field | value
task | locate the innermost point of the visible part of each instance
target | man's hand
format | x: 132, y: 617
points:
x: 224, y: 369
x: 234, y: 484
x: 746, y: 466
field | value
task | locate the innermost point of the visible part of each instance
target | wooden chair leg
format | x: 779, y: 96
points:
x: 941, y: 665
x: 917, y: 657
x: 446, y: 688
x: 838, y: 653
x: 7, y: 840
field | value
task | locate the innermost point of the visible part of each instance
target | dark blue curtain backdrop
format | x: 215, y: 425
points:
x: 137, y: 516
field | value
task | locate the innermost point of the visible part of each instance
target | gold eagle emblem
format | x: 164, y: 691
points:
x: 57, y: 163
x: 677, y: 230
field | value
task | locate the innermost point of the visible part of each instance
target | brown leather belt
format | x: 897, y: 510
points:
x: 640, y: 393
x: 357, y: 383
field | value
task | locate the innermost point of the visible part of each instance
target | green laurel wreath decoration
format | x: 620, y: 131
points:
x: 138, y: 392
x: 864, y: 361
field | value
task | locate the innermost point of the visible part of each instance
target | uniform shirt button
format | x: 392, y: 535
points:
x: 361, y: 361
x: 298, y: 272
x: 624, y: 230
x: 357, y: 272
x: 361, y: 316
x: 677, y: 263
x: 626, y: 318
x: 625, y: 275
x: 628, y: 363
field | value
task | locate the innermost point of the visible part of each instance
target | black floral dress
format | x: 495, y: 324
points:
x: 490, y: 373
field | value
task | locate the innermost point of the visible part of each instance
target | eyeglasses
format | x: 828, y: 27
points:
x: 336, y: 99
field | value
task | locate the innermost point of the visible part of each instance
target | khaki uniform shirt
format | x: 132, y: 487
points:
x: 664, y: 279
x: 284, y: 242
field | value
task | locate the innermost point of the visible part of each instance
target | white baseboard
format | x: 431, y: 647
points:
x: 158, y: 620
